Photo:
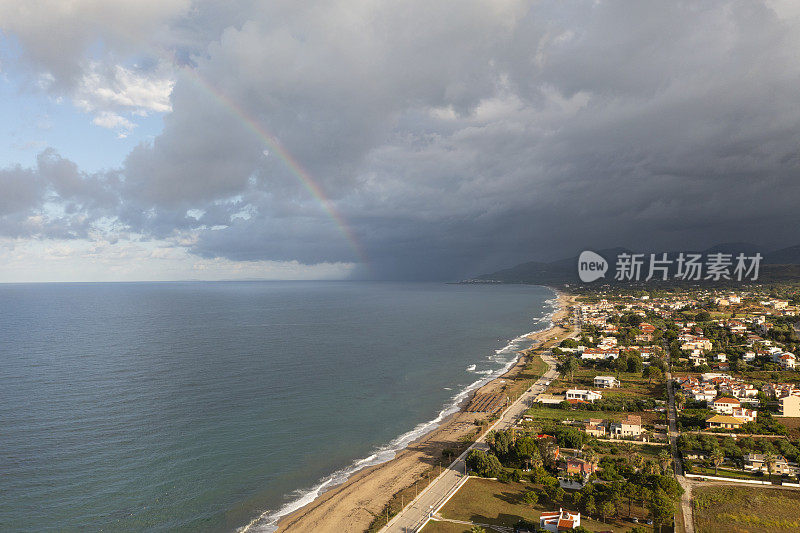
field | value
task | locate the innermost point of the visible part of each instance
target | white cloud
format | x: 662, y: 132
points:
x: 112, y: 121
x: 126, y: 89
x: 108, y: 93
x: 58, y: 260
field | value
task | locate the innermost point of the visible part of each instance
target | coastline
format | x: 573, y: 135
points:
x: 352, y: 504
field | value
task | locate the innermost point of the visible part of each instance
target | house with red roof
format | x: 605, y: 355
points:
x: 574, y: 465
x: 725, y: 405
x: 560, y: 520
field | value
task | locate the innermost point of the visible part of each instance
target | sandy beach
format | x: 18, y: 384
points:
x: 353, y: 505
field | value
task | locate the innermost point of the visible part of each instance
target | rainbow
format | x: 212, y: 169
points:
x: 294, y: 166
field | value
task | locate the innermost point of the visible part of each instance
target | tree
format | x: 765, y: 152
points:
x: 717, y: 457
x: 547, y: 449
x: 501, y: 444
x: 651, y: 468
x: 769, y: 462
x: 477, y: 529
x: 703, y: 316
x: 591, y: 457
x: 606, y: 510
x: 629, y: 453
x: 570, y: 365
x: 680, y: 399
x: 525, y: 449
x: 634, y: 363
x: 484, y: 464
x: 631, y: 489
x: 531, y: 498
x: 637, y: 460
x: 665, y: 460
x: 590, y: 506
x: 569, y: 343
x: 654, y: 374
x: 661, y: 507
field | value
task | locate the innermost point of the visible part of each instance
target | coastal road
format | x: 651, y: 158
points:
x: 417, y: 513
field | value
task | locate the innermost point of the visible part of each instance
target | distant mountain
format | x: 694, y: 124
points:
x: 554, y: 272
x: 778, y: 265
x: 736, y: 248
x: 784, y: 256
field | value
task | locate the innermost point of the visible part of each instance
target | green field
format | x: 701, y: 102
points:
x: 485, y: 501
x: 633, y: 384
x: 550, y: 413
x: 746, y: 509
x: 725, y: 472
x: 444, y: 527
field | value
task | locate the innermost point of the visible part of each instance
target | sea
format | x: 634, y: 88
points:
x: 219, y: 406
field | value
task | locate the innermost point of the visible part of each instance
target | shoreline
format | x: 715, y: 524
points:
x: 353, y: 503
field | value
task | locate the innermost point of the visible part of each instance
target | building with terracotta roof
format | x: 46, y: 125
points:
x: 574, y: 465
x: 560, y: 520
x: 725, y: 405
x: 631, y: 426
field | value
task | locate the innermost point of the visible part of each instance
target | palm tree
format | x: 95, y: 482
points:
x: 717, y: 457
x: 591, y: 457
x: 680, y: 399
x: 638, y: 460
x: 769, y: 462
x: 665, y: 459
x: 651, y: 468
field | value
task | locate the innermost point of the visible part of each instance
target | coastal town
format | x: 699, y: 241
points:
x: 660, y: 410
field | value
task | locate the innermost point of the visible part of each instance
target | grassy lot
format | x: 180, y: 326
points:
x: 746, y: 509
x: 444, y: 527
x: 613, y: 449
x: 550, y: 413
x: 725, y: 472
x: 633, y: 384
x: 783, y: 376
x: 491, y: 502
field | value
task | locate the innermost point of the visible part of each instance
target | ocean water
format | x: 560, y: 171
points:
x: 211, y: 406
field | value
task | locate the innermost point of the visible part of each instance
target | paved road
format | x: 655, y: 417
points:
x: 686, y: 499
x: 416, y: 514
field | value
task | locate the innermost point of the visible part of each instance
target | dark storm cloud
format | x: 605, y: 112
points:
x: 459, y: 137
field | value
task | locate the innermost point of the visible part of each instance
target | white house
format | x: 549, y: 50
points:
x: 703, y: 394
x: 631, y: 426
x: 755, y: 462
x: 606, y: 382
x: 559, y: 521
x: 599, y: 353
x: 697, y: 358
x: 748, y: 415
x: 788, y: 361
x: 725, y: 405
x: 583, y: 395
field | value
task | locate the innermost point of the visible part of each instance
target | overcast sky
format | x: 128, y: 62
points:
x: 180, y: 139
